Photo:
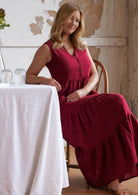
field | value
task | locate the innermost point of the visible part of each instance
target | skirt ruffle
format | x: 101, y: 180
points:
x: 114, y: 158
x: 104, y: 133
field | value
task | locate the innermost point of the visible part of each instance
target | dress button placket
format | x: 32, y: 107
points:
x: 79, y: 65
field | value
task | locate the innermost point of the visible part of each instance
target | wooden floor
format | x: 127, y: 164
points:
x: 78, y: 185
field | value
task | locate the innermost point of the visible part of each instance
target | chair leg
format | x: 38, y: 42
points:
x: 86, y: 184
x: 72, y: 165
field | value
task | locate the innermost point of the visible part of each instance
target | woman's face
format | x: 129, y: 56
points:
x: 72, y: 23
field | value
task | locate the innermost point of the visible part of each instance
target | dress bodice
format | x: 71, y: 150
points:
x: 71, y: 71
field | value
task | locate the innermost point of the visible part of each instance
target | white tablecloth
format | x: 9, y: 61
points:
x: 32, y: 159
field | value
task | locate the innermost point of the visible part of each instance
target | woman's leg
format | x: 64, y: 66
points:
x: 117, y: 188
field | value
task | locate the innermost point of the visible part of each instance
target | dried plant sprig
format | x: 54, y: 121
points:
x: 2, y: 19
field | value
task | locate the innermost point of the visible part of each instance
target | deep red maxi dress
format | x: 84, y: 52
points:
x: 101, y: 127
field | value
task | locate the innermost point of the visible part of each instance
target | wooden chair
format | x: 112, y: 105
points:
x: 102, y: 86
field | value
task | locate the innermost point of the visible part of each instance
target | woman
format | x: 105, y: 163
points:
x: 101, y: 127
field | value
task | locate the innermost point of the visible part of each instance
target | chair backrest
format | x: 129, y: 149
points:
x: 102, y: 84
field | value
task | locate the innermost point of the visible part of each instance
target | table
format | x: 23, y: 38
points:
x: 32, y: 158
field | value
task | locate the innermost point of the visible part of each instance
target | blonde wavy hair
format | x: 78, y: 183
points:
x: 63, y: 14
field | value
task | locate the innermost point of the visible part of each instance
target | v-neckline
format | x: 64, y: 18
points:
x: 73, y: 55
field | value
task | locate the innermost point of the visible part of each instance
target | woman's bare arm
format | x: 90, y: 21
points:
x: 41, y: 58
x: 93, y: 76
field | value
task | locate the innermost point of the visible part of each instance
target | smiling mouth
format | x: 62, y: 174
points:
x: 71, y: 28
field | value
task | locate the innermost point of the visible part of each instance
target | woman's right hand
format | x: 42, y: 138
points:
x: 52, y: 82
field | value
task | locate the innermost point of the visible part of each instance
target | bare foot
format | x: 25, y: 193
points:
x: 117, y: 188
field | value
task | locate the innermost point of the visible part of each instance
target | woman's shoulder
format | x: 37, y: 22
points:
x: 49, y: 43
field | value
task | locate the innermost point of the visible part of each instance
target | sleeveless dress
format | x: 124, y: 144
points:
x: 101, y: 127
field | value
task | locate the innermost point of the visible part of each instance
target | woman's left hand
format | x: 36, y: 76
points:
x: 76, y: 95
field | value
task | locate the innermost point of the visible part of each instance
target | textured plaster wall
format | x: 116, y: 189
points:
x: 133, y: 56
x: 114, y: 25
